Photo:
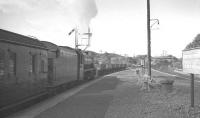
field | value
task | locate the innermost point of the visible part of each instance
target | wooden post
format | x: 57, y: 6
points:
x: 148, y: 39
x: 192, y: 90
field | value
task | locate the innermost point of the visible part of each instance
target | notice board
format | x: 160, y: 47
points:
x: 191, y: 61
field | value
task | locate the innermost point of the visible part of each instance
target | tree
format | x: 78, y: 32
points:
x: 195, y: 43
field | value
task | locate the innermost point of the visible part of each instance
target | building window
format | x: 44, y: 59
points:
x: 2, y: 63
x: 12, y: 63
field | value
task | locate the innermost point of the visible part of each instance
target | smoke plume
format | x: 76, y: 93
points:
x: 47, y: 19
x: 84, y: 11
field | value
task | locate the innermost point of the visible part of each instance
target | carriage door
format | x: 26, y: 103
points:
x: 50, y: 70
x: 2, y: 64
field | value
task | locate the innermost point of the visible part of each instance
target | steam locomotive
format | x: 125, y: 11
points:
x: 30, y: 68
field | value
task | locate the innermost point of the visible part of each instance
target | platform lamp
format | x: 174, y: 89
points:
x: 76, y: 36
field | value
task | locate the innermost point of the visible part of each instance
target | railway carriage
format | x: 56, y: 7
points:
x: 30, y: 68
x: 62, y: 64
x: 23, y: 67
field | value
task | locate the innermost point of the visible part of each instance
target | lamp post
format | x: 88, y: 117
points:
x: 76, y: 36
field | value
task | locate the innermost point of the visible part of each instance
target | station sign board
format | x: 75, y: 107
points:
x: 191, y: 61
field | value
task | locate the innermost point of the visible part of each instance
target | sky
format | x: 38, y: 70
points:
x: 117, y: 26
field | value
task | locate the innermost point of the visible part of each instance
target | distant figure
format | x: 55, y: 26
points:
x: 137, y: 71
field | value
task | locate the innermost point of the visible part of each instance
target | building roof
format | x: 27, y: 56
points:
x: 11, y: 37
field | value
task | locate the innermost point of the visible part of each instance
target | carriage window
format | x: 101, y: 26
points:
x: 42, y: 66
x: 2, y: 63
x: 33, y: 63
x: 12, y: 63
x: 32, y: 66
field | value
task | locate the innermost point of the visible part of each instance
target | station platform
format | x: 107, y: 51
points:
x: 118, y: 95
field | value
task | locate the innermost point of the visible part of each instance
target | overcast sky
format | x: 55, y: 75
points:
x: 117, y: 25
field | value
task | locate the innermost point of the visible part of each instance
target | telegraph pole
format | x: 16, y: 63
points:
x: 148, y: 39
